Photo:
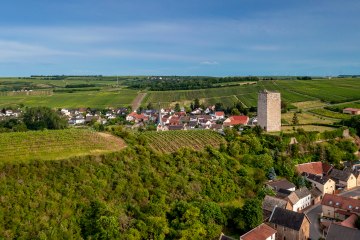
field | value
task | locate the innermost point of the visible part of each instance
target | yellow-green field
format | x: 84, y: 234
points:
x: 305, y: 118
x: 95, y: 99
x: 307, y: 128
x: 55, y: 144
x: 309, y: 104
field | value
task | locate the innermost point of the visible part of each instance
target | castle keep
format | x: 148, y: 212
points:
x: 269, y: 111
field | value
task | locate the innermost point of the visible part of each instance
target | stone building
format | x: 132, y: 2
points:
x: 290, y: 225
x: 269, y: 111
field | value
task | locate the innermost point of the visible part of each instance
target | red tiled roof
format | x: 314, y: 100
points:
x: 219, y: 114
x: 180, y: 113
x: 351, y: 109
x: 138, y: 116
x: 236, y: 120
x: 261, y: 232
x: 350, y: 221
x: 340, y: 202
x: 316, y: 168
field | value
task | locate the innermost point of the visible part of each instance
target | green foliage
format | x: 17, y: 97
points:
x: 39, y: 118
x: 250, y: 215
x: 97, y: 222
x: 12, y: 125
x: 353, y: 122
x: 295, y: 119
x: 132, y: 194
x: 185, y: 82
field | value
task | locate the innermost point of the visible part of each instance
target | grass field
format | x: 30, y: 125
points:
x: 95, y: 99
x: 330, y: 114
x: 170, y: 141
x: 305, y: 118
x: 55, y: 144
x: 309, y: 104
x: 316, y: 128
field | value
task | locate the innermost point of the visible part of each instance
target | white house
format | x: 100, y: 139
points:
x: 302, y: 199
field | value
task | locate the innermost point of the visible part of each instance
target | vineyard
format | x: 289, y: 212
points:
x: 292, y: 91
x: 330, y: 114
x: 171, y: 141
x: 55, y: 144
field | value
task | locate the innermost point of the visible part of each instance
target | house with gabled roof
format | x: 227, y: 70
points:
x: 316, y: 168
x: 298, y: 199
x: 270, y: 202
x: 343, y: 179
x: 339, y: 207
x: 236, y: 120
x: 136, y: 117
x: 304, y: 196
x: 281, y: 184
x: 337, y: 231
x: 261, y: 232
x: 289, y: 224
x: 323, y: 183
x: 219, y: 115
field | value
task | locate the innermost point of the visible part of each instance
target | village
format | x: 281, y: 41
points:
x: 328, y: 206
x: 163, y: 119
x: 324, y: 206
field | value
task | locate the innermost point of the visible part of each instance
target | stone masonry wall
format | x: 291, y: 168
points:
x: 269, y: 111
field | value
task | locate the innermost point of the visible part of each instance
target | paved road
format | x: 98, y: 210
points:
x: 314, y: 212
x: 313, y: 215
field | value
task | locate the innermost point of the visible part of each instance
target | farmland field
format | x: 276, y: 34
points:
x: 305, y: 118
x: 316, y: 128
x: 95, y: 99
x: 330, y: 114
x: 340, y: 107
x: 292, y: 91
x: 55, y: 144
x: 309, y: 104
x: 333, y: 90
x: 170, y: 141
x: 113, y: 93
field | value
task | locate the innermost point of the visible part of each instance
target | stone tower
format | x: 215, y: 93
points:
x: 269, y: 111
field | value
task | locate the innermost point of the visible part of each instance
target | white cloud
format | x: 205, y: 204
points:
x: 209, y: 63
x: 18, y: 51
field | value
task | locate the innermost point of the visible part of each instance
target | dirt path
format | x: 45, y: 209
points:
x: 137, y: 101
x: 240, y: 101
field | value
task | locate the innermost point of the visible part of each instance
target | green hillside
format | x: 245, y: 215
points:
x: 55, y: 144
x: 171, y: 141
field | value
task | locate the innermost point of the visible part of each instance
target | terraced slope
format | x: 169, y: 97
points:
x: 55, y: 144
x: 170, y: 141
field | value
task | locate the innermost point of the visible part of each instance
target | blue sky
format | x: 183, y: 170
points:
x: 188, y: 37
